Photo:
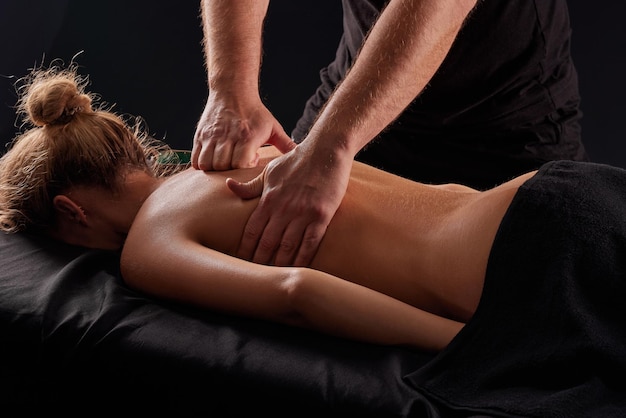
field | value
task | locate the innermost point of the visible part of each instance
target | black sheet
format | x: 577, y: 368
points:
x: 549, y: 336
x: 75, y: 340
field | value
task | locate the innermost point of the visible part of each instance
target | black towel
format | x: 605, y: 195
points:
x: 549, y: 336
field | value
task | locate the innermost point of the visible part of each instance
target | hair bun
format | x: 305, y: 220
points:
x: 54, y: 99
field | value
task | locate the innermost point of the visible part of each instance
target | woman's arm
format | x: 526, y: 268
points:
x: 342, y: 308
x: 191, y: 273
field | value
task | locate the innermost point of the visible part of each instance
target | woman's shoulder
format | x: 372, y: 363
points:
x: 192, y: 190
x: 192, y: 184
x: 197, y: 205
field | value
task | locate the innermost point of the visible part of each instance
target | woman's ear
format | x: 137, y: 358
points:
x: 68, y: 210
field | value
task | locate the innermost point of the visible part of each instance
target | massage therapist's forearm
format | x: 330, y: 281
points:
x: 232, y: 36
x: 400, y: 56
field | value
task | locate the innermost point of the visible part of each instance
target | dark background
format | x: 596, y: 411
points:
x: 145, y: 56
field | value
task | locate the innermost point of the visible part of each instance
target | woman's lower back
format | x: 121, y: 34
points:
x: 425, y: 245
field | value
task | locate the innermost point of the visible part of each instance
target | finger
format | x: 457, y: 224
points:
x: 310, y: 243
x: 283, y: 142
x: 289, y: 244
x: 254, y: 161
x: 251, y: 234
x: 205, y: 158
x: 245, y: 156
x: 257, y: 220
x: 269, y: 241
x: 222, y: 156
x: 247, y: 190
x: 195, y: 150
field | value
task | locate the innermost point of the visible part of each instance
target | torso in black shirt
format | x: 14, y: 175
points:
x: 504, y: 101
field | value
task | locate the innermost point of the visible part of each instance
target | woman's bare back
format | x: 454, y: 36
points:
x: 425, y: 245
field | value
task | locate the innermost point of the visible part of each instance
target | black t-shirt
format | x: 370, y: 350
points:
x: 504, y: 101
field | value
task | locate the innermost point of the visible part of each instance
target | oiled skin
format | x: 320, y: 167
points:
x: 425, y: 246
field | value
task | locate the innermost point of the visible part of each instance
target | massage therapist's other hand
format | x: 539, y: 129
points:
x: 300, y: 193
x: 230, y: 133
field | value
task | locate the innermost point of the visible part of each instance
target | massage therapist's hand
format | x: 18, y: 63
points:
x: 300, y: 193
x: 230, y: 133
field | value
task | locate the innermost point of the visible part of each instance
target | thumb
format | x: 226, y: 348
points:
x: 247, y: 190
x: 283, y: 143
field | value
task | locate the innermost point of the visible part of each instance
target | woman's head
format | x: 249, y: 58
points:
x: 69, y: 142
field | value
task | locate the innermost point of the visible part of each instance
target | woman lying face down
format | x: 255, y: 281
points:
x: 402, y: 263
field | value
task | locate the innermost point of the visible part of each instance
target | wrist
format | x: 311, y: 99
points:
x: 327, y: 140
x: 230, y: 84
x: 234, y: 98
x: 329, y: 151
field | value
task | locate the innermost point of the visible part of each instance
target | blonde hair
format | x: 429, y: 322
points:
x: 69, y: 142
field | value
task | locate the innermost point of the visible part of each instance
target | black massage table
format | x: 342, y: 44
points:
x: 75, y: 340
x: 548, y: 338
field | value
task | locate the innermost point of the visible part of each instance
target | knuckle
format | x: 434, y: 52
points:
x: 312, y: 237
x: 250, y: 233
x: 309, y: 243
x: 266, y: 245
x: 220, y: 164
x: 288, y: 246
